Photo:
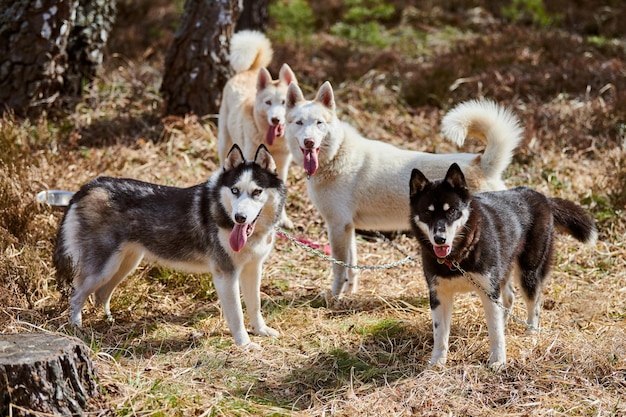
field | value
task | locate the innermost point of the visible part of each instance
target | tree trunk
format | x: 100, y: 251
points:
x: 32, y: 53
x: 43, y: 43
x: 254, y: 16
x: 88, y: 37
x: 196, y: 67
x: 45, y: 373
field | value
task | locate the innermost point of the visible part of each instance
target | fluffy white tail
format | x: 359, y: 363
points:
x: 249, y: 50
x: 494, y: 125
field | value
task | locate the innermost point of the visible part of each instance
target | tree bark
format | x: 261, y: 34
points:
x: 32, y: 53
x: 254, y: 16
x: 88, y: 38
x: 196, y: 67
x: 44, y: 373
x: 48, y: 49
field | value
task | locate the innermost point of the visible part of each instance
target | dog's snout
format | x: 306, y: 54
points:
x: 275, y: 121
x: 439, y: 232
x: 440, y: 227
x: 240, y: 218
x: 309, y: 143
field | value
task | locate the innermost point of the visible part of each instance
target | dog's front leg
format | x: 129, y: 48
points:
x: 441, y: 310
x: 227, y: 286
x: 282, y: 166
x: 251, y: 289
x: 495, y: 326
x: 343, y: 246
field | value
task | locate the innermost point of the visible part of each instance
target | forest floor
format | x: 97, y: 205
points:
x: 169, y: 352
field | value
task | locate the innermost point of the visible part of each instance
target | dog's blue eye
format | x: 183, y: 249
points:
x: 235, y: 191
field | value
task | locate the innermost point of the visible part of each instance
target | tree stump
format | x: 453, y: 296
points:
x: 45, y: 373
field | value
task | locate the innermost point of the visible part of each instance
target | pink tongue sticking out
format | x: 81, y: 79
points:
x: 272, y: 133
x: 310, y: 161
x: 442, y: 251
x: 238, y: 237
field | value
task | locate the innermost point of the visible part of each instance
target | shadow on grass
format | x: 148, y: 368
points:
x: 387, y: 350
x: 123, y: 129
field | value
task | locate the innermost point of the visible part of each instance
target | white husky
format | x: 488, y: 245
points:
x: 357, y: 183
x: 252, y: 110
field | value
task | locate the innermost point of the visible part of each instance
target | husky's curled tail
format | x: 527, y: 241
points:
x: 495, y: 126
x: 249, y: 51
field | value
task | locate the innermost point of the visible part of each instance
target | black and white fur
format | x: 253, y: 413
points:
x: 493, y: 236
x: 224, y: 226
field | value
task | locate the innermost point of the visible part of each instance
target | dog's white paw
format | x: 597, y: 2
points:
x: 285, y: 222
x: 76, y: 321
x: 329, y: 298
x: 438, y: 362
x: 496, y: 366
x: 531, y: 330
x: 109, y: 318
x: 251, y: 346
x: 266, y: 331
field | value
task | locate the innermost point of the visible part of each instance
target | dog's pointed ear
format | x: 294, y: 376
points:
x: 264, y: 159
x: 455, y: 177
x: 294, y: 95
x: 326, y: 96
x: 234, y: 158
x: 263, y: 79
x: 418, y: 182
x: 286, y: 75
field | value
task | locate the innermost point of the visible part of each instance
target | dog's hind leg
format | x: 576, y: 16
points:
x: 91, y: 275
x: 77, y: 300
x: 507, y: 290
x: 532, y: 297
x: 102, y: 296
x: 250, y: 282
x: 534, y: 270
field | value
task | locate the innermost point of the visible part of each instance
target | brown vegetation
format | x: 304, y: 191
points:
x: 169, y: 351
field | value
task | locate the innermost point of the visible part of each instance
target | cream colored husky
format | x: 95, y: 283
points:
x: 252, y: 111
x: 358, y: 183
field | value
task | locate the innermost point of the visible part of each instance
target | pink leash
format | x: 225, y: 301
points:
x: 309, y: 243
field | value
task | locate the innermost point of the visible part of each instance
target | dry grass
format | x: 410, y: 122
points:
x: 169, y: 351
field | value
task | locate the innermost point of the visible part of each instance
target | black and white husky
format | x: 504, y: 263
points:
x: 224, y: 226
x: 491, y: 236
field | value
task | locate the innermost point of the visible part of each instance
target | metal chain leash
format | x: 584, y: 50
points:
x: 320, y: 254
x: 494, y: 300
x: 408, y: 259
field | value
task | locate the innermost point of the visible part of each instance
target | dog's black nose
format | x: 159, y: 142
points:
x: 309, y: 143
x: 275, y: 121
x: 240, y: 218
x: 440, y: 240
